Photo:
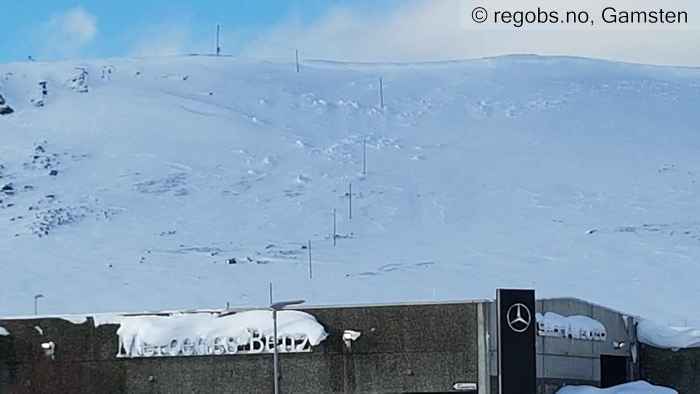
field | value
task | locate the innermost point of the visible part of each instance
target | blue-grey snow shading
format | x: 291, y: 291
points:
x: 190, y: 182
x: 638, y: 387
x: 665, y: 337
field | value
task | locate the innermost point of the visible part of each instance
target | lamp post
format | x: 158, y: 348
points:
x: 277, y: 306
x: 36, y: 303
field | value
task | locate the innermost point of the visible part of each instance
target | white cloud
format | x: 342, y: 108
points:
x: 182, y: 36
x: 426, y: 30
x: 163, y: 40
x: 77, y: 25
x: 66, y: 33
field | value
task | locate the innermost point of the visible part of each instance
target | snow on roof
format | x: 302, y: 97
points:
x: 639, y: 387
x: 137, y: 333
x: 73, y: 318
x: 575, y: 327
x: 4, y: 332
x: 665, y: 337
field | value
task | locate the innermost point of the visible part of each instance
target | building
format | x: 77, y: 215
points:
x: 399, y: 348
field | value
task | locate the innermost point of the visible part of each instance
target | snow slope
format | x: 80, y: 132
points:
x: 577, y: 177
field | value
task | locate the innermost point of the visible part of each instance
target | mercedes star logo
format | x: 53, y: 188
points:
x: 518, y: 317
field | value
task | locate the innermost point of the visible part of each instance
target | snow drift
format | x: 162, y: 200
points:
x: 572, y: 327
x: 639, y: 387
x: 665, y: 337
x: 204, y: 333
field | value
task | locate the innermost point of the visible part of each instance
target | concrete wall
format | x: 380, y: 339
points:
x: 679, y: 370
x: 81, y: 352
x: 565, y: 361
x: 403, y: 348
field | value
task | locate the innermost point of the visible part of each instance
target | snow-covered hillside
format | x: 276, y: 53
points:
x: 185, y: 182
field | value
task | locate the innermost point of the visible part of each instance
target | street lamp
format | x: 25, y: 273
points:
x: 277, y: 306
x: 36, y: 303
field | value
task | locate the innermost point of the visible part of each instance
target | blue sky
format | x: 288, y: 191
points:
x: 358, y: 30
x: 28, y: 27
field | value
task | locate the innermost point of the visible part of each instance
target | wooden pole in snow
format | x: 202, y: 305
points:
x: 350, y: 201
x: 334, y: 228
x: 364, y: 155
x: 297, y: 57
x: 311, y: 273
x: 381, y: 93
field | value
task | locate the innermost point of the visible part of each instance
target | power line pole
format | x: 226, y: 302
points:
x: 381, y: 93
x: 350, y: 201
x: 311, y: 273
x: 297, y: 57
x: 218, y: 34
x: 364, y: 155
x: 334, y: 228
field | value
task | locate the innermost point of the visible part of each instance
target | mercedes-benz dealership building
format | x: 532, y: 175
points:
x: 514, y: 344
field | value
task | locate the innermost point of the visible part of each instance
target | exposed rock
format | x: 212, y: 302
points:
x: 5, y: 108
x: 8, y: 189
x: 79, y: 82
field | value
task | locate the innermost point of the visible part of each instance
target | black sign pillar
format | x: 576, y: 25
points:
x: 516, y: 341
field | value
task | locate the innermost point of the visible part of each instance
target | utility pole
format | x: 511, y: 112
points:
x: 350, y: 201
x: 364, y: 155
x: 218, y: 34
x: 311, y: 273
x: 381, y: 93
x: 297, y: 57
x: 334, y: 228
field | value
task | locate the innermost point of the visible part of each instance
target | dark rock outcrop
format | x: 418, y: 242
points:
x: 5, y: 109
x: 8, y: 189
